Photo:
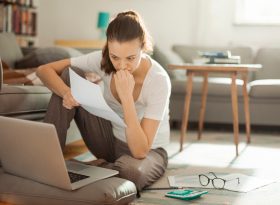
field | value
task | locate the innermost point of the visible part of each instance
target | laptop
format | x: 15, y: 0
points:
x: 32, y: 150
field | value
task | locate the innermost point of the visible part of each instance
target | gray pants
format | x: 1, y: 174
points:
x: 98, y: 136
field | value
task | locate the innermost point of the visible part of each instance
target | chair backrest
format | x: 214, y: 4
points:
x: 10, y: 51
x: 270, y: 60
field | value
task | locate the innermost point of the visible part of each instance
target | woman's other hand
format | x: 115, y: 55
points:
x: 68, y: 100
x: 124, y: 84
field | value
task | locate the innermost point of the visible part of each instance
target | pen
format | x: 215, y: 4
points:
x: 163, y: 188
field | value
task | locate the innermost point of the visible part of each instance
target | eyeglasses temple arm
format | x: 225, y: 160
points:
x: 234, y: 179
x: 213, y: 174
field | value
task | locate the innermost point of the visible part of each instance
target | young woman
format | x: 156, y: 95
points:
x: 136, y: 87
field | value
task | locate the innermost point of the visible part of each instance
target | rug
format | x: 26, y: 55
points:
x: 216, y: 152
x: 263, y: 195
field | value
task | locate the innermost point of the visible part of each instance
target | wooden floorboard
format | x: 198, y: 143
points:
x: 74, y: 149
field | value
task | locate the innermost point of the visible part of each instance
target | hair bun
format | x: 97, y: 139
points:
x: 127, y: 13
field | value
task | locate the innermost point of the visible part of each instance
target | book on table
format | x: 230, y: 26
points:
x: 214, y: 54
x: 231, y: 60
x: 216, y: 57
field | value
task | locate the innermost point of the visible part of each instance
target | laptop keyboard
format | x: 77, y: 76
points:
x: 74, y: 177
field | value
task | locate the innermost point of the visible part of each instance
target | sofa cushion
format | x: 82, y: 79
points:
x: 46, y: 55
x: 23, y: 100
x: 9, y: 49
x: 164, y: 60
x: 17, y: 190
x: 270, y: 60
x: 268, y: 88
x: 216, y: 86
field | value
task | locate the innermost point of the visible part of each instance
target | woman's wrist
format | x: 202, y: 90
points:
x: 65, y: 92
x: 127, y: 100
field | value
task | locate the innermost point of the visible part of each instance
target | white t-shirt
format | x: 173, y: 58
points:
x: 152, y: 103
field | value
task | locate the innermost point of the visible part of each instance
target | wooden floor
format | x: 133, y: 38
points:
x: 74, y: 149
x: 219, y: 148
x: 70, y: 151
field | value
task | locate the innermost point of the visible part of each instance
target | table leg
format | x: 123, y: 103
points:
x: 234, y: 101
x: 203, y: 105
x: 185, y: 117
x: 246, y: 107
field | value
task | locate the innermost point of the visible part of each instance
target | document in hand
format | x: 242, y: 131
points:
x: 90, y: 97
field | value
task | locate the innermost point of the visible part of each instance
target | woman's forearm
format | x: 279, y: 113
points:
x: 49, y: 75
x: 51, y: 80
x: 136, y: 138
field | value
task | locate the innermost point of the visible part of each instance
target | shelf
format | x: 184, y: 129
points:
x: 20, y: 18
x: 81, y: 44
x: 17, y: 4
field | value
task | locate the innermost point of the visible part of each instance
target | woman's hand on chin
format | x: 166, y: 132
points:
x: 124, y: 84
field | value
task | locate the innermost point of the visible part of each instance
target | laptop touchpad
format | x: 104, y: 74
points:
x: 75, y: 166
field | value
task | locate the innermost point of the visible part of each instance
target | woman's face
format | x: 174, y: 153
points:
x: 125, y: 55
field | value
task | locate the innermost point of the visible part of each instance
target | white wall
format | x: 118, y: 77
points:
x: 216, y: 27
x: 196, y: 22
x: 168, y: 21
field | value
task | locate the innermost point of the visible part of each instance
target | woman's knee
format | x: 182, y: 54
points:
x: 132, y: 169
x: 142, y: 172
x: 65, y: 74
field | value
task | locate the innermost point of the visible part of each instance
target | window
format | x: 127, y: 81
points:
x: 257, y: 12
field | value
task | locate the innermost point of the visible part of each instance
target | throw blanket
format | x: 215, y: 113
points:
x: 21, y: 77
x: 27, y: 76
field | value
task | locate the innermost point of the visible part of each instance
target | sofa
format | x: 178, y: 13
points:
x: 28, y: 101
x: 263, y: 87
x: 22, y: 95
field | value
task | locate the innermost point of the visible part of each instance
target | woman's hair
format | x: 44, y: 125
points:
x: 126, y: 26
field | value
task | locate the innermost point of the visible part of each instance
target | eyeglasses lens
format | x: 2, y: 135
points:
x: 204, y: 180
x: 218, y: 183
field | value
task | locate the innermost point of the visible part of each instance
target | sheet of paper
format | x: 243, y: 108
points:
x: 247, y: 183
x: 90, y: 97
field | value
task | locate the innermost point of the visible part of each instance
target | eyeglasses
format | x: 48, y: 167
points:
x: 217, y: 182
